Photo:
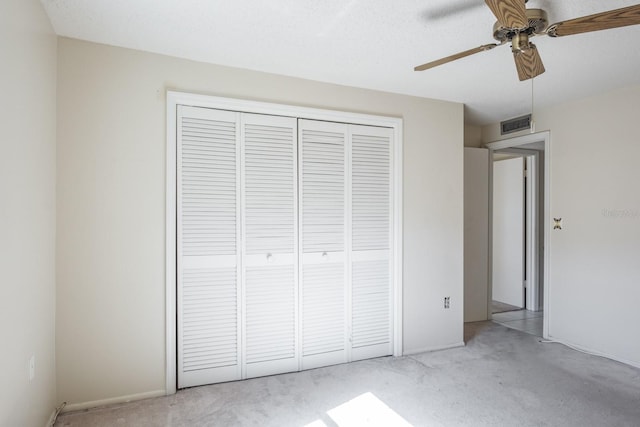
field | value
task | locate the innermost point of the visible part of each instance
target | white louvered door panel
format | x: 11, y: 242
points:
x: 371, y: 232
x: 208, y: 153
x: 323, y: 222
x: 269, y: 194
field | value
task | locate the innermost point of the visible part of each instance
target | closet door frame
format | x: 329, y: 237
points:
x: 181, y: 98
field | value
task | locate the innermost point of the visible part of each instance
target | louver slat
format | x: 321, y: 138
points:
x: 323, y: 307
x: 270, y: 305
x: 371, y: 192
x: 270, y: 173
x: 371, y: 316
x: 208, y: 178
x: 208, y: 190
x: 322, y: 188
x: 211, y: 341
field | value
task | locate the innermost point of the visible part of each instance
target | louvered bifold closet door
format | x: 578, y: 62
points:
x: 208, y: 179
x: 371, y: 232
x: 323, y: 222
x: 269, y: 164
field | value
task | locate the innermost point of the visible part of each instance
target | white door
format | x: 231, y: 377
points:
x: 323, y: 231
x: 508, y: 232
x: 346, y: 225
x: 208, y: 246
x: 270, y: 244
x: 370, y: 242
x: 245, y: 241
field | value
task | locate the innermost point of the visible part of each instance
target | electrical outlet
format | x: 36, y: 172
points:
x: 32, y: 367
x: 447, y: 302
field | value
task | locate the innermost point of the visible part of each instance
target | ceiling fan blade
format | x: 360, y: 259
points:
x: 599, y: 21
x: 510, y: 13
x: 454, y: 57
x: 528, y: 63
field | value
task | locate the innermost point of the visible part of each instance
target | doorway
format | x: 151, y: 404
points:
x: 518, y: 230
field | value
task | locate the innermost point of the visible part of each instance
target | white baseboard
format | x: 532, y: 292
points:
x: 52, y: 418
x: 587, y: 350
x: 435, y: 348
x: 110, y: 401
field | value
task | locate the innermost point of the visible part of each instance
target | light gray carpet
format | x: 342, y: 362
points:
x: 503, y: 377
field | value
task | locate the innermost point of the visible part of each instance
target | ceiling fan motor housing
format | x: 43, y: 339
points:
x: 538, y: 23
x: 520, y: 42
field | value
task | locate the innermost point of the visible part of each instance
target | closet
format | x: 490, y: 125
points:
x: 284, y: 244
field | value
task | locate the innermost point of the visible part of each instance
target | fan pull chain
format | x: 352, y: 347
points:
x: 533, y: 123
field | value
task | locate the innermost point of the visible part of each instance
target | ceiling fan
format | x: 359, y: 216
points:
x: 517, y: 24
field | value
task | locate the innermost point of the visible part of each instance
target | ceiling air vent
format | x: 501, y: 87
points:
x: 515, y: 125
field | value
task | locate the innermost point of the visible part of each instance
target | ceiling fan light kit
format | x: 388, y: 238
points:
x: 517, y: 24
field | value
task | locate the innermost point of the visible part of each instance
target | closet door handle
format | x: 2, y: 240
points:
x: 325, y: 256
x: 269, y: 258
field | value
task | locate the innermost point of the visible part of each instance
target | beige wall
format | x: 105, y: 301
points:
x: 27, y: 212
x: 111, y: 207
x: 593, y: 290
x: 472, y: 136
x: 476, y: 234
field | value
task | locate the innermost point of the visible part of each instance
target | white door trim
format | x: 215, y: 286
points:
x: 532, y: 228
x: 533, y: 232
x: 180, y: 98
x: 517, y: 142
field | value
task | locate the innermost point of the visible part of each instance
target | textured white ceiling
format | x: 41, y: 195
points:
x: 370, y: 44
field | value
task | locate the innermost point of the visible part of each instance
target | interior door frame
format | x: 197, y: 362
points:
x: 175, y: 98
x: 532, y: 229
x: 515, y: 144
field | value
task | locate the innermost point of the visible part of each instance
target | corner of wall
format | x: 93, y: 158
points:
x: 28, y: 224
x: 472, y: 136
